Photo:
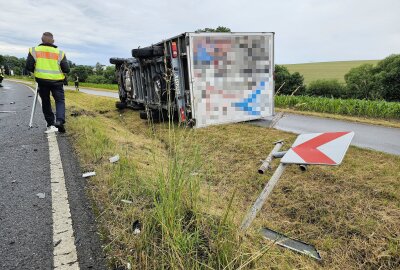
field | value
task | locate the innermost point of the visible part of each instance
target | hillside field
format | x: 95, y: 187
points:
x: 326, y: 70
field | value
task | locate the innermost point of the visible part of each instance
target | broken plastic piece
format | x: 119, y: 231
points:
x: 41, y: 195
x: 88, y: 174
x: 114, y: 158
x: 136, y: 227
x: 126, y: 201
x: 292, y: 244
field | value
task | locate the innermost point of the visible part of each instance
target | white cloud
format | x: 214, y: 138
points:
x: 308, y: 30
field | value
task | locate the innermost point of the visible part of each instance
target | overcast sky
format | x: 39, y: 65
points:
x: 306, y: 30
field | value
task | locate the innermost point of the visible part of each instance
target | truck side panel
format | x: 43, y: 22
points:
x: 232, y: 75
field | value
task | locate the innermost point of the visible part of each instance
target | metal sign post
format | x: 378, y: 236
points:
x: 263, y: 197
x: 34, y: 105
x: 316, y: 148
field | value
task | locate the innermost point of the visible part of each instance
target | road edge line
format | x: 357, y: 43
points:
x: 64, y: 249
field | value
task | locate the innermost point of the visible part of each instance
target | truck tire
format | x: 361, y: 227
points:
x: 143, y: 115
x: 148, y: 52
x: 120, y: 105
x: 117, y: 61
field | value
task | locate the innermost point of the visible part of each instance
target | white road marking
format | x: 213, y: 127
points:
x: 64, y: 249
x: 64, y: 252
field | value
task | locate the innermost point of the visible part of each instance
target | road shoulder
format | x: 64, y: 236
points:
x: 87, y: 241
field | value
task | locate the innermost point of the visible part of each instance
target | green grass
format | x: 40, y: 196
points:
x: 353, y: 107
x: 192, y: 187
x: 97, y: 85
x: 71, y: 84
x: 326, y: 70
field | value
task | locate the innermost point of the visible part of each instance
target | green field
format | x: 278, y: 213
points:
x: 326, y: 70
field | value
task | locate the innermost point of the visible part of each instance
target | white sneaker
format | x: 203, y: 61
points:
x: 51, y: 129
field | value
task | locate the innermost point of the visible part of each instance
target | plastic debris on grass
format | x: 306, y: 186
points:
x: 88, y: 174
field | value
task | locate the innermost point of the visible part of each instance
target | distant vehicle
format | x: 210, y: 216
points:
x: 203, y: 78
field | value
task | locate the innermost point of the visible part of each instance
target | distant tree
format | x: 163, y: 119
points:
x: 83, y: 72
x: 71, y: 64
x: 362, y: 84
x: 288, y: 83
x: 381, y: 81
x: 220, y: 29
x: 387, y: 75
x: 109, y: 74
x: 13, y: 63
x: 96, y: 79
x: 98, y: 69
x: 326, y: 88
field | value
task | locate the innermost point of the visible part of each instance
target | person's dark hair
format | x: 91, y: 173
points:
x: 47, y: 37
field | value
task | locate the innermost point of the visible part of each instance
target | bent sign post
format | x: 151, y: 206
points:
x: 308, y: 149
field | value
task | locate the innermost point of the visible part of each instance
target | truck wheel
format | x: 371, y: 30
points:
x: 117, y: 61
x: 148, y: 52
x: 120, y: 105
x: 143, y: 115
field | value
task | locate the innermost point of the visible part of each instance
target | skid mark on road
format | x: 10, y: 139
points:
x: 64, y: 249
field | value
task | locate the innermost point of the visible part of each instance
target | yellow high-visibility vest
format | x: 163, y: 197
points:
x: 48, y: 61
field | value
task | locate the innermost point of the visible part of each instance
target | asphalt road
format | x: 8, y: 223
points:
x: 26, y: 222
x: 373, y: 137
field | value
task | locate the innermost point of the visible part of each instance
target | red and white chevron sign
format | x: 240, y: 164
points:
x: 319, y: 148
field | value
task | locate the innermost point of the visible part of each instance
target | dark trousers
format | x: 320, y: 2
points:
x: 57, y: 91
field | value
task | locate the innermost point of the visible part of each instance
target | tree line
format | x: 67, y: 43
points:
x: 97, y: 74
x: 380, y: 82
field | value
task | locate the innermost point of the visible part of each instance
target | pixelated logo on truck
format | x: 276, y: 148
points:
x: 232, y: 77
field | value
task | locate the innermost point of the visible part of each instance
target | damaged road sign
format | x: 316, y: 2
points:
x: 319, y: 148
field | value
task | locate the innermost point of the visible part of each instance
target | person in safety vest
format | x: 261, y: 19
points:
x: 1, y: 76
x: 76, y: 83
x: 48, y: 65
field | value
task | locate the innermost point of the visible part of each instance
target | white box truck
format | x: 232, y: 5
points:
x: 204, y: 78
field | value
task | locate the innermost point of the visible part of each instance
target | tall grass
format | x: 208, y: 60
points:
x: 178, y: 234
x: 354, y: 107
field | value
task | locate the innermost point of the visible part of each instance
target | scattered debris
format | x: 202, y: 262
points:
x: 88, y: 174
x: 77, y: 113
x: 41, y: 195
x: 136, y: 227
x: 114, y: 158
x: 292, y: 244
x: 57, y: 243
x: 126, y: 201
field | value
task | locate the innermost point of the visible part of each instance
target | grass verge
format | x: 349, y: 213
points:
x: 191, y: 188
x: 102, y: 86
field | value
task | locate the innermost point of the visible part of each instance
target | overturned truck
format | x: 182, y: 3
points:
x: 200, y: 79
